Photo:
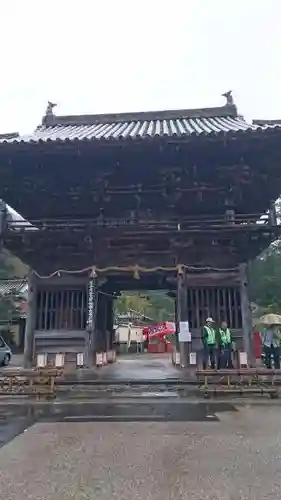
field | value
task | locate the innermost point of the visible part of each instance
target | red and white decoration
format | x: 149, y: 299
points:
x: 159, y: 330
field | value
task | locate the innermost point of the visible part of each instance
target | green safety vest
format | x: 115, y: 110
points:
x: 211, y: 335
x: 225, y: 336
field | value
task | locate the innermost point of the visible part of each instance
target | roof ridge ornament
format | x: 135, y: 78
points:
x: 49, y: 116
x: 50, y: 107
x: 229, y: 98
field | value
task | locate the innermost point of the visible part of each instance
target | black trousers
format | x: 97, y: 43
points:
x: 224, y: 357
x: 209, y: 353
x: 272, y: 351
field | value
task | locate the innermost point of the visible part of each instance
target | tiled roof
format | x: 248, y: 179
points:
x: 9, y: 135
x: 262, y: 123
x: 180, y: 123
x: 13, y: 286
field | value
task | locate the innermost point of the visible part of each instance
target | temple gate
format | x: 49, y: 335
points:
x: 174, y: 200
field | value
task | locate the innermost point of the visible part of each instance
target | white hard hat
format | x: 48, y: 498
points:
x: 209, y: 320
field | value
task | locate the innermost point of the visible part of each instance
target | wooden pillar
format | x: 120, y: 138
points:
x: 103, y: 321
x: 177, y: 324
x: 184, y: 343
x: 272, y: 215
x: 30, y: 321
x: 98, y: 347
x: 107, y: 320
x: 247, y: 325
x: 3, y: 219
x: 110, y: 322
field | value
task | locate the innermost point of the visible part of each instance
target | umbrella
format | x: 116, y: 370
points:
x: 270, y: 319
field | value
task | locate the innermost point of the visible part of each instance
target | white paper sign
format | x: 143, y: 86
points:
x: 41, y: 360
x: 192, y: 358
x: 99, y: 359
x: 243, y: 358
x: 80, y: 359
x: 59, y: 360
x: 184, y: 333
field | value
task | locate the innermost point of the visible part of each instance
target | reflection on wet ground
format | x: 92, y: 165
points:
x: 15, y: 419
x: 142, y: 368
x: 138, y: 411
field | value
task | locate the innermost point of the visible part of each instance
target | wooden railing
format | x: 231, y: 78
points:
x: 238, y: 381
x: 173, y: 224
x: 38, y: 383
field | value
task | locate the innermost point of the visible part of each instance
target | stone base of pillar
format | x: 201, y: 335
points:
x: 176, y: 358
x: 110, y: 356
x: 103, y: 358
x: 89, y: 360
x: 193, y: 359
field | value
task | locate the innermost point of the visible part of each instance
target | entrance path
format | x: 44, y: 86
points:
x: 141, y: 367
x: 234, y: 457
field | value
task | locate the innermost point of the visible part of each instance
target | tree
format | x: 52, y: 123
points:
x: 9, y: 302
x: 161, y: 306
x: 265, y: 279
x: 265, y: 275
x: 131, y: 301
x: 6, y: 267
x: 156, y: 305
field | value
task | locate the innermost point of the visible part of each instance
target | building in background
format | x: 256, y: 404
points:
x: 13, y: 311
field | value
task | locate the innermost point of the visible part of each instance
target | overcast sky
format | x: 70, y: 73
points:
x: 95, y: 56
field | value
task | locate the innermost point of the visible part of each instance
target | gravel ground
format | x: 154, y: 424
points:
x: 236, y: 458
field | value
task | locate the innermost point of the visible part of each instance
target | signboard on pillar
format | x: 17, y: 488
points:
x: 184, y: 332
x: 92, y: 302
x: 91, y: 315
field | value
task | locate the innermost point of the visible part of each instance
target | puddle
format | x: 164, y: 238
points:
x: 164, y: 394
x: 16, y: 419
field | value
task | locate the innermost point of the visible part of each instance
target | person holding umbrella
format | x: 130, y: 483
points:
x: 271, y: 340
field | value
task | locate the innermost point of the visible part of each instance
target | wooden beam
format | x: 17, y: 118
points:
x: 30, y: 321
x: 246, y: 312
x: 185, y: 347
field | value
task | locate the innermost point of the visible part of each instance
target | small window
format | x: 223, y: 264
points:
x: 2, y: 343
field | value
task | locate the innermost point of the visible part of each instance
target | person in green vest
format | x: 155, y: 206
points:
x: 225, y: 346
x: 208, y: 335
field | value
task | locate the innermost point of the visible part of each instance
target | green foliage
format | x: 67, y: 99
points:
x: 9, y: 304
x: 6, y: 267
x: 161, y: 306
x: 133, y: 301
x: 265, y: 279
x: 156, y: 305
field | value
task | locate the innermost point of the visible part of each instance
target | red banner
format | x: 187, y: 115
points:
x: 159, y: 330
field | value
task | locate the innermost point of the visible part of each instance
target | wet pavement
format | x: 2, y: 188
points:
x: 159, y: 445
x: 141, y: 367
x: 137, y: 411
x: 16, y: 418
x: 234, y: 456
x: 13, y: 422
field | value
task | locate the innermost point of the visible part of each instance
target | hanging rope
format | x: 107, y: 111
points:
x: 136, y: 270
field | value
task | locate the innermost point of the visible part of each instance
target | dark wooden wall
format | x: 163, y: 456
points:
x: 221, y: 303
x: 61, y: 309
